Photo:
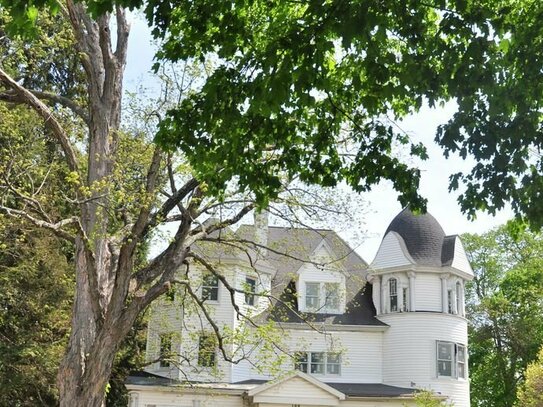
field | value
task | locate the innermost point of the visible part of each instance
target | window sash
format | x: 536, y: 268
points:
x: 405, y: 303
x: 318, y: 362
x: 331, y: 300
x: 250, y: 286
x: 165, y: 350
x: 206, y: 351
x: 393, y: 294
x: 312, y: 297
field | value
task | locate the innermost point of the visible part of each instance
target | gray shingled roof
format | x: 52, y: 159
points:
x: 424, y: 238
x: 359, y: 389
x: 141, y: 378
x: 289, y: 249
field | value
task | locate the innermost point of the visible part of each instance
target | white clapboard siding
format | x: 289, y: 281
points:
x: 361, y: 360
x: 391, y: 253
x: 460, y: 260
x: 409, y: 352
x: 428, y: 292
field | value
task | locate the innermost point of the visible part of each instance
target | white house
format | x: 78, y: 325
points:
x: 304, y: 321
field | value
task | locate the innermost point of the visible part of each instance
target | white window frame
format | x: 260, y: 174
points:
x: 307, y: 360
x: 455, y: 361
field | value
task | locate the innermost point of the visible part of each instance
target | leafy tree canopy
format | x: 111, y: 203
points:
x: 505, y: 308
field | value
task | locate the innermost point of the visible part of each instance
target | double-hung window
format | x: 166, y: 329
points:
x: 207, y: 351
x: 250, y: 289
x: 319, y: 363
x: 393, y: 294
x: 210, y: 287
x: 165, y: 351
x: 451, y: 360
x: 405, y: 299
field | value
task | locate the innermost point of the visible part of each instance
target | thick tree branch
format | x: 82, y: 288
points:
x: 50, y: 121
x: 13, y: 97
x: 56, y: 228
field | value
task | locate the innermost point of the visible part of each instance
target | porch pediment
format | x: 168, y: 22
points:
x: 298, y: 388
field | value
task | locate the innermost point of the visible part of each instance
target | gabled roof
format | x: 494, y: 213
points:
x: 289, y: 250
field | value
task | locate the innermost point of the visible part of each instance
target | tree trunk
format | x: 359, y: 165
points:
x: 96, y: 333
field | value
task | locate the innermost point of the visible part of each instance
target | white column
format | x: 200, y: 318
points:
x: 444, y: 297
x: 411, y: 276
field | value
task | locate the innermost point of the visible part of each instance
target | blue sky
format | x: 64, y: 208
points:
x: 382, y: 204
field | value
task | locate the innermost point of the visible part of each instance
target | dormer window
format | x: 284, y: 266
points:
x: 312, y: 297
x: 393, y: 294
x: 322, y: 297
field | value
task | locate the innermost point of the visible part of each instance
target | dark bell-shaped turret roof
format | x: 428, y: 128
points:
x: 423, y: 236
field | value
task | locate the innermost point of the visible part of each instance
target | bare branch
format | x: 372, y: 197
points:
x: 50, y: 121
x: 54, y: 227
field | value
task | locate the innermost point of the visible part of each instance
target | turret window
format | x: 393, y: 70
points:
x: 451, y: 360
x: 393, y: 294
x: 405, y: 302
x: 450, y: 301
x: 458, y: 297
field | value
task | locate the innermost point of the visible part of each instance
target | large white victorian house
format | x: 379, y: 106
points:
x: 340, y: 332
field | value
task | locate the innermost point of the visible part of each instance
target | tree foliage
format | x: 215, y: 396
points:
x: 531, y: 392
x: 505, y: 307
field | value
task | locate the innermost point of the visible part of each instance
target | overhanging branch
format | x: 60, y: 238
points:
x: 50, y: 121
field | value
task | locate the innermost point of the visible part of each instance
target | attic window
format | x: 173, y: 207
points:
x: 250, y: 289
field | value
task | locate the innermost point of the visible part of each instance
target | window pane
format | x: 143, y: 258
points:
x: 461, y: 353
x: 444, y: 351
x: 445, y: 368
x: 462, y: 370
x: 450, y: 301
x: 405, y: 298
